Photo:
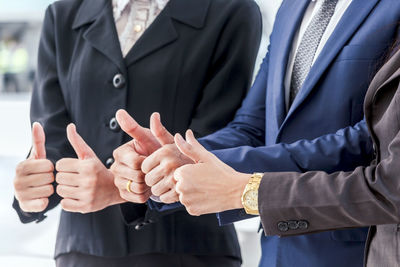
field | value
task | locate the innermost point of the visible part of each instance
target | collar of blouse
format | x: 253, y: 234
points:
x: 120, y: 5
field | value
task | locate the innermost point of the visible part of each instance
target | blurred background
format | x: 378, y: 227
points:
x: 33, y: 244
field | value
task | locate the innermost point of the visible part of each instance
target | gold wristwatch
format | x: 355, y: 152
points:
x: 250, y: 194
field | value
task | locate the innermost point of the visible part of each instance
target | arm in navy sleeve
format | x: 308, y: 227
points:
x: 343, y: 150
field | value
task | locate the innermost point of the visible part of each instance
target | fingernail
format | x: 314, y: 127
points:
x: 189, y: 135
x: 179, y: 138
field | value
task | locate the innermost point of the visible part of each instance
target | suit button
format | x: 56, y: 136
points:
x: 114, y: 126
x: 293, y: 225
x: 303, y: 225
x: 139, y: 226
x: 119, y: 81
x: 109, y: 162
x: 283, y: 226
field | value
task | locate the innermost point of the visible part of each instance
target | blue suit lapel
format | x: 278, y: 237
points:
x: 285, y: 29
x: 354, y: 16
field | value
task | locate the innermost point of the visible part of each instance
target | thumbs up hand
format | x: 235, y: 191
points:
x: 34, y: 176
x: 129, y: 157
x: 159, y: 167
x: 209, y: 185
x: 85, y: 184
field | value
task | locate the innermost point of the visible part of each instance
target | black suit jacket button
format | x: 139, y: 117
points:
x: 283, y: 226
x: 119, y: 81
x: 139, y: 226
x: 303, y: 225
x: 293, y: 225
x: 109, y: 162
x: 114, y: 126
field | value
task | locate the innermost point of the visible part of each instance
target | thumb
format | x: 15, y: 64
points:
x: 145, y: 143
x: 38, y: 142
x: 159, y: 131
x: 82, y: 150
x: 192, y: 148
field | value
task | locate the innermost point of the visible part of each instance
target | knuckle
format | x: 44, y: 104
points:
x: 155, y: 191
x: 116, y: 181
x: 142, y: 199
x: 59, y: 164
x: 17, y: 183
x: 20, y: 169
x: 58, y: 178
x: 59, y: 190
x: 114, y: 167
x: 122, y: 194
x: 49, y: 165
x: 85, y: 209
x: 149, y: 180
x: 48, y: 190
x: 18, y: 196
x: 193, y: 210
x: 183, y: 199
x: 190, y: 210
x: 178, y: 172
x: 116, y: 154
x: 43, y: 204
x: 51, y: 177
x: 168, y: 165
x: 63, y: 205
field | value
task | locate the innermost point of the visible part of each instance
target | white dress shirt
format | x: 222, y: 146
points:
x: 311, y: 11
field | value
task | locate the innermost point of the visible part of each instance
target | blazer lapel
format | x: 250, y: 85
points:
x: 354, y: 16
x: 389, y: 72
x: 101, y: 32
x: 163, y: 32
x: 286, y: 29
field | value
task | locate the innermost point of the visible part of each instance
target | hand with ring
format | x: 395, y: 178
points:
x: 128, y: 176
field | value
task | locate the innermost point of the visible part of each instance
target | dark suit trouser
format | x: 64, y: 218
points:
x: 147, y: 260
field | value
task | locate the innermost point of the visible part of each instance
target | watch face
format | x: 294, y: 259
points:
x: 251, y: 199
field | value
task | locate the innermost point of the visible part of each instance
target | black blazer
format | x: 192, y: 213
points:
x: 193, y: 65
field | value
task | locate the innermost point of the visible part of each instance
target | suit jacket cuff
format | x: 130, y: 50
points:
x: 140, y: 215
x: 231, y: 216
x: 27, y: 217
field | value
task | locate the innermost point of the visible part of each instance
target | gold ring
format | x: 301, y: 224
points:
x: 128, y: 186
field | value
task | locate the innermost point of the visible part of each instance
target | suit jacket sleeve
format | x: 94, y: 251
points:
x: 363, y: 197
x: 241, y: 144
x: 48, y: 108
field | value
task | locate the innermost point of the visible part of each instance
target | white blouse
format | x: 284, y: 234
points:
x: 133, y: 17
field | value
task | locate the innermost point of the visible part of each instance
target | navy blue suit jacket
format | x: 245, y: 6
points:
x: 264, y: 137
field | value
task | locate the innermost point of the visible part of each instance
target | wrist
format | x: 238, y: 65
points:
x: 242, y: 181
x: 114, y: 196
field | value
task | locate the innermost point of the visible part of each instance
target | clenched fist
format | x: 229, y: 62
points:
x: 34, y: 176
